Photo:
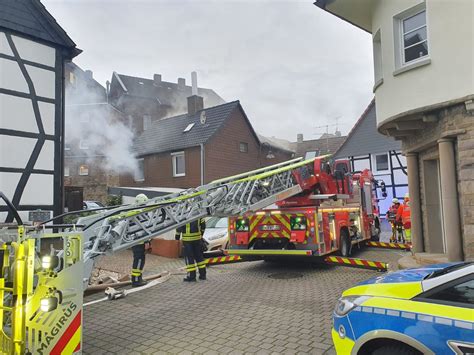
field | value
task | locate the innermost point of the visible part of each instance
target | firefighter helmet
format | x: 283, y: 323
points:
x: 141, y: 198
x: 395, y: 200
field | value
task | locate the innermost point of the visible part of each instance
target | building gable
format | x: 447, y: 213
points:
x: 364, y: 138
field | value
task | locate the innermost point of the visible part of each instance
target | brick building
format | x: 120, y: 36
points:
x: 200, y: 146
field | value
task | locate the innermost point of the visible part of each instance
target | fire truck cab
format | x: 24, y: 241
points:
x: 336, y: 209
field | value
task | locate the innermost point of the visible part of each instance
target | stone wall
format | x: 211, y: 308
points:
x: 457, y: 123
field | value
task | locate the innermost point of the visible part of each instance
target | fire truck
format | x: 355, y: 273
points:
x: 335, y: 210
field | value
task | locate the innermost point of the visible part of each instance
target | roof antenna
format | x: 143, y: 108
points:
x: 194, y: 80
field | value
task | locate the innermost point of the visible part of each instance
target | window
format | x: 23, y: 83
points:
x: 83, y: 144
x: 311, y: 154
x: 410, y: 33
x: 244, y: 147
x: 377, y: 47
x: 72, y: 78
x: 66, y: 171
x: 140, y: 172
x: 146, y: 122
x: 189, y: 127
x: 84, y: 170
x: 414, y: 37
x: 460, y: 293
x: 178, y: 164
x: 381, y: 162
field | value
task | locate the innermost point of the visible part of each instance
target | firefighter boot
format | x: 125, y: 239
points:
x: 137, y: 281
x: 202, y: 269
x: 191, y: 276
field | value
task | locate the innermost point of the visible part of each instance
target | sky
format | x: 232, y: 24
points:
x: 294, y: 67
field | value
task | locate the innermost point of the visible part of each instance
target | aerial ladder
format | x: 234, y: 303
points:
x: 41, y: 290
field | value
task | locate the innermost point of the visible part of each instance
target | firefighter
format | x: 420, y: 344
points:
x: 404, y: 217
x: 193, y: 248
x: 138, y: 253
x: 392, y: 218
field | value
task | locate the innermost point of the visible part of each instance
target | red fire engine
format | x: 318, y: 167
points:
x: 335, y: 210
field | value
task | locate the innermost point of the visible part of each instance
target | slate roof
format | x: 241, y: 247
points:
x: 364, y: 139
x: 167, y: 134
x: 167, y: 93
x: 30, y: 17
x: 325, y: 145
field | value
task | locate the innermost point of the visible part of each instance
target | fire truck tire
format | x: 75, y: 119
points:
x: 346, y: 244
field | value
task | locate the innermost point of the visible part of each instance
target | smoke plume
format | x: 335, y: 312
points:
x: 96, y: 130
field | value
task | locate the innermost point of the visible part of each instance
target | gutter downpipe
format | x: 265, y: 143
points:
x: 202, y: 163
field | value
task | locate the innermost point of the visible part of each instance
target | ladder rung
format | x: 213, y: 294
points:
x: 8, y: 309
x: 8, y: 289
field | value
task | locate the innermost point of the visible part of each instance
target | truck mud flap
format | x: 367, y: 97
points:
x: 402, y: 246
x: 358, y: 263
x: 223, y: 259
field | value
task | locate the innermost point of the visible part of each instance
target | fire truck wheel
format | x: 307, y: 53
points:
x: 346, y: 245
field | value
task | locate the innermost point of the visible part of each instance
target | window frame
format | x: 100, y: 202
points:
x: 67, y: 171
x: 142, y: 166
x: 374, y: 163
x: 174, y: 157
x: 245, y: 145
x: 316, y: 152
x: 399, y: 46
x: 403, y: 33
x: 425, y: 296
x: 80, y: 169
x: 378, y: 64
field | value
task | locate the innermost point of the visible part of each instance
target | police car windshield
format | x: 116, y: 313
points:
x: 447, y: 270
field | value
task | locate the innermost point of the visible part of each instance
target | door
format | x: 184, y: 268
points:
x: 433, y: 211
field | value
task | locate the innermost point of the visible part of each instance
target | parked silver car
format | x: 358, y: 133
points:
x: 216, y: 234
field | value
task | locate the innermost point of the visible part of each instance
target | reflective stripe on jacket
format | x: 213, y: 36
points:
x: 192, y: 231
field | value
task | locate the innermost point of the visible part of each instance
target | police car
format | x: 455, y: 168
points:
x: 428, y: 310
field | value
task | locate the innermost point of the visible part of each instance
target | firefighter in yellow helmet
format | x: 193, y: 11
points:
x: 138, y: 253
x: 193, y: 248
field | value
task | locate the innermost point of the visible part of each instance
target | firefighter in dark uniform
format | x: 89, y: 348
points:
x: 191, y: 235
x: 138, y: 253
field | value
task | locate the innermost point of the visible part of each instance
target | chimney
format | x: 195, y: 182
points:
x: 156, y: 79
x: 194, y: 81
x: 195, y: 104
x: 299, y: 138
x: 181, y: 83
x: 89, y: 74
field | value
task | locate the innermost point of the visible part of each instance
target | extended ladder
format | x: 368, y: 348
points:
x: 125, y: 226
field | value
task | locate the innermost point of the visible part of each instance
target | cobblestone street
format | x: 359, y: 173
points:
x: 254, y: 307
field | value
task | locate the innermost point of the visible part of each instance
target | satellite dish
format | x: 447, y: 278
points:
x: 203, y: 117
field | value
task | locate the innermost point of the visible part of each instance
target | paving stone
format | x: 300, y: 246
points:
x: 238, y: 310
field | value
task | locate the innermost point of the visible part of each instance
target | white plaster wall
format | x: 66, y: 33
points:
x: 450, y: 39
x: 11, y: 77
x: 43, y: 81
x: 46, y: 157
x: 4, y: 46
x: 35, y: 52
x: 8, y: 183
x: 47, y: 116
x: 15, y: 151
x: 38, y: 190
x: 17, y: 113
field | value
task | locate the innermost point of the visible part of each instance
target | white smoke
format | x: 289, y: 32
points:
x: 98, y: 131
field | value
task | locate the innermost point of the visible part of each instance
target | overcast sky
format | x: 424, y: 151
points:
x: 292, y: 66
